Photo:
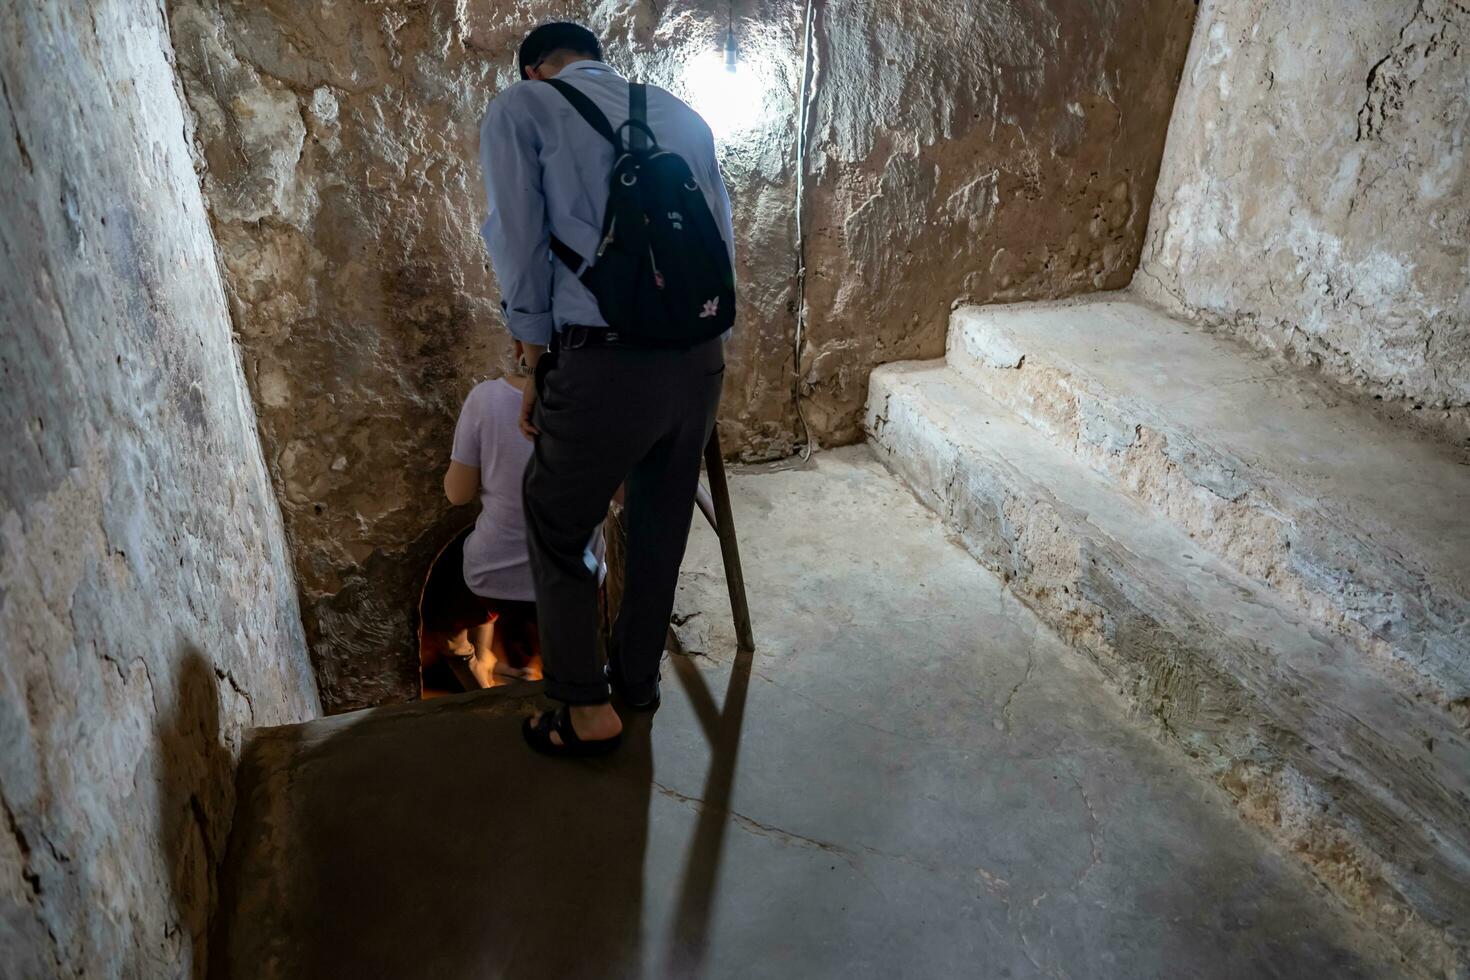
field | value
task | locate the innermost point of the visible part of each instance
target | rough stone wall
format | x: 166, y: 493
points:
x: 148, y: 613
x: 1315, y: 193
x: 344, y: 185
x: 972, y: 151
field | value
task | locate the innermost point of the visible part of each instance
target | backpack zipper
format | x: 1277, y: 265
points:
x: 658, y: 277
x: 608, y: 238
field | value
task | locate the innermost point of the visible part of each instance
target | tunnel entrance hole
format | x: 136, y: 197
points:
x: 456, y: 627
x: 452, y: 618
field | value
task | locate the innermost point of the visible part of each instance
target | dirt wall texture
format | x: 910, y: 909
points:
x: 1315, y: 193
x: 955, y: 151
x: 967, y: 151
x: 148, y: 613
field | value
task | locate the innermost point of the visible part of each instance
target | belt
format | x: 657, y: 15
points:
x: 574, y: 337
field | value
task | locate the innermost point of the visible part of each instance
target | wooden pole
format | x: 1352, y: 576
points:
x: 724, y: 525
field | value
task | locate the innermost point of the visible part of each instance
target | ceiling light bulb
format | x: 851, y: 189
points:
x: 732, y: 103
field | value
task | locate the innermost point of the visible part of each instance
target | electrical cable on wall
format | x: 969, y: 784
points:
x: 732, y: 53
x: 727, y: 95
x: 808, y: 84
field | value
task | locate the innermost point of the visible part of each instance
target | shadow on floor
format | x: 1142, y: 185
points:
x: 427, y: 841
x: 430, y: 842
x: 722, y: 727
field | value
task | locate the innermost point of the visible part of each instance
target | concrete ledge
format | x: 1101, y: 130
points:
x: 274, y: 916
x: 1359, y: 523
x: 1368, y: 786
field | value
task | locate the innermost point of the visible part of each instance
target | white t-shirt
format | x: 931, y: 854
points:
x: 497, y: 562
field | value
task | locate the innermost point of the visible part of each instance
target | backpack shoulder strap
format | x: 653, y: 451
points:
x: 586, y: 108
x: 638, y: 113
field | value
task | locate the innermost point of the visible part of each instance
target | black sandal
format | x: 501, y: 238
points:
x: 538, y: 736
x: 459, y: 666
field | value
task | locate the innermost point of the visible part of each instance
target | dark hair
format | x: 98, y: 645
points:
x: 557, y: 36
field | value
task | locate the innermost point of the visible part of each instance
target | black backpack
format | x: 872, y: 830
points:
x: 662, y: 274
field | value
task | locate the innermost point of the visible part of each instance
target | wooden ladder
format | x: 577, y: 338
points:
x: 714, y: 503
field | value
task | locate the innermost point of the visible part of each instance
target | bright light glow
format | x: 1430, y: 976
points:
x: 731, y: 102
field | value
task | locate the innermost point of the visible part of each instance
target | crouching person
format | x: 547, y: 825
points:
x: 488, y: 461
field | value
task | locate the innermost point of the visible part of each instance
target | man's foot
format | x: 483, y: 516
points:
x: 557, y: 733
x: 590, y: 723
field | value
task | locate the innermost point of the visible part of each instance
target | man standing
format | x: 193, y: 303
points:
x: 583, y: 173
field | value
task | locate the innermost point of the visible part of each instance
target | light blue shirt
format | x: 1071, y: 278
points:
x: 546, y: 170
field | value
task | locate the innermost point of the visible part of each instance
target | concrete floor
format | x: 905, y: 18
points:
x: 911, y: 778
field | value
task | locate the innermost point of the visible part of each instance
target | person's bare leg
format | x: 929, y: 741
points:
x: 529, y: 647
x: 484, y: 661
x: 487, y: 664
x: 460, y: 644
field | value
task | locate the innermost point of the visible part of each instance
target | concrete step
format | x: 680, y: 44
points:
x: 1368, y: 785
x: 1362, y: 525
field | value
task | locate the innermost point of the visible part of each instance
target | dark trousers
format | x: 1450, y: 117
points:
x: 609, y: 415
